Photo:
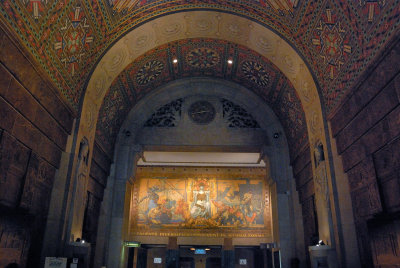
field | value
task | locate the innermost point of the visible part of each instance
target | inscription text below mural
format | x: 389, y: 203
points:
x: 187, y: 206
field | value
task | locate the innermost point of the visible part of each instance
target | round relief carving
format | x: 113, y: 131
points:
x: 202, y: 57
x: 172, y: 29
x: 142, y: 41
x: 116, y: 61
x: 234, y: 29
x: 99, y: 85
x: 255, y: 72
x: 201, y: 112
x: 290, y: 64
x: 203, y: 24
x: 263, y: 43
x: 149, y: 72
x: 306, y: 90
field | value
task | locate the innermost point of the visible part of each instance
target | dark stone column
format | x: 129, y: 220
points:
x: 141, y: 258
x: 228, y: 254
x: 172, y: 257
x: 267, y: 255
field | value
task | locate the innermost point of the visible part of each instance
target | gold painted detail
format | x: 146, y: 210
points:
x: 188, y: 202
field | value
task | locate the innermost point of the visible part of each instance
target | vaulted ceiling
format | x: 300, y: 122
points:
x: 337, y: 39
x: 201, y: 58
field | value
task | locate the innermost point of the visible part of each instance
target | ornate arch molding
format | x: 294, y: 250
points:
x: 207, y: 58
x: 247, y: 33
x: 176, y: 26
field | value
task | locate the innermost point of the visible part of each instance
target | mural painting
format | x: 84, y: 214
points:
x: 188, y: 204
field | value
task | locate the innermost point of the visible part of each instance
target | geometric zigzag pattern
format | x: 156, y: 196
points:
x: 337, y: 38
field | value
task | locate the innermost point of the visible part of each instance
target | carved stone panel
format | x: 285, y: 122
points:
x: 14, y: 241
x: 362, y: 174
x: 306, y: 191
x: 366, y: 201
x: 166, y: 116
x: 363, y: 240
x: 38, y: 184
x: 91, y: 218
x: 236, y: 116
x: 13, y: 162
x: 310, y: 223
x: 321, y: 184
x: 387, y: 160
x: 98, y: 174
x: 387, y: 165
x: 385, y: 244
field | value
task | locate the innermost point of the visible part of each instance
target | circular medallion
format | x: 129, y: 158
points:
x: 149, y: 72
x: 202, y: 57
x: 202, y: 112
x: 255, y: 72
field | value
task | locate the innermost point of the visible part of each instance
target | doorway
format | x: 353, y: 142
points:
x: 200, y: 256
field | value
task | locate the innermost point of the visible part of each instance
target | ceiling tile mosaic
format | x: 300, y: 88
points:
x: 337, y: 39
x: 202, y: 58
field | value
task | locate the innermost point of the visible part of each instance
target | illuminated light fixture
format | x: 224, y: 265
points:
x: 175, y: 60
x: 83, y: 241
x: 192, y: 249
x: 131, y: 244
x: 230, y: 61
x: 245, y: 159
x: 200, y: 251
x: 208, y: 249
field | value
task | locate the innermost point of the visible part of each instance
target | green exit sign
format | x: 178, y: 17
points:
x: 131, y: 244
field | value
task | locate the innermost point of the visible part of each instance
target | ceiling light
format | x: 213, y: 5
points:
x: 175, y: 60
x: 230, y: 61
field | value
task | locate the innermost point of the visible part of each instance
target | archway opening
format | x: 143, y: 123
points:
x: 202, y: 162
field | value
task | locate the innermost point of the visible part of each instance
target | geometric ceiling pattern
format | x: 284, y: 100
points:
x: 201, y: 57
x: 336, y: 38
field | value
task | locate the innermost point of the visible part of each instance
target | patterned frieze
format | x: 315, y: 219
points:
x: 337, y: 39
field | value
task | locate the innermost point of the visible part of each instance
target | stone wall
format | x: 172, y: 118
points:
x: 367, y: 132
x: 34, y: 127
x: 99, y: 171
x: 302, y: 171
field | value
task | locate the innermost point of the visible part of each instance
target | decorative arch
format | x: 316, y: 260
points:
x: 175, y: 27
x: 275, y: 153
x: 244, y: 32
x: 203, y: 57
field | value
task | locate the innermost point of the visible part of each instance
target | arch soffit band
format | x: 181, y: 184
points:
x: 175, y: 27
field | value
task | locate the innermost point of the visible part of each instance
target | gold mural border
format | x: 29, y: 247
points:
x: 145, y: 172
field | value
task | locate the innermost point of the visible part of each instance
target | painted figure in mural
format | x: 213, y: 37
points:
x: 229, y: 212
x: 234, y: 210
x: 159, y: 209
x: 160, y: 214
x: 247, y: 207
x: 201, y: 203
x: 201, y: 206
